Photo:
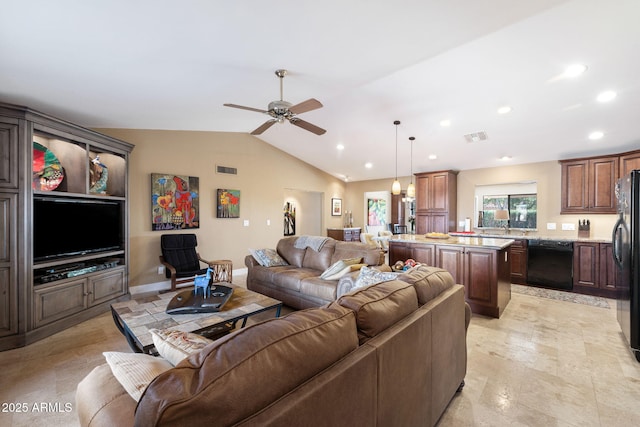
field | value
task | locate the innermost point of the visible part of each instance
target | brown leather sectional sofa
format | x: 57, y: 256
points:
x: 298, y: 284
x: 391, y: 354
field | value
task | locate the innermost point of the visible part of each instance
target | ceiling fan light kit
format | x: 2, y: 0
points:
x: 282, y: 110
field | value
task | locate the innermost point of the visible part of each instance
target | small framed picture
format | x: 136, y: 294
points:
x: 336, y: 207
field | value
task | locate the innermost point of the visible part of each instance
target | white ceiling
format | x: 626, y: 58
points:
x: 159, y: 64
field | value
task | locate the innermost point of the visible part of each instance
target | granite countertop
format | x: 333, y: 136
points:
x: 519, y: 236
x: 481, y: 242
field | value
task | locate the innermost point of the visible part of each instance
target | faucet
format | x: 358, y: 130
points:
x: 506, y: 229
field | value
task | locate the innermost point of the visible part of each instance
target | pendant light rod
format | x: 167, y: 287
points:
x: 395, y: 187
x: 411, y: 189
x: 411, y: 138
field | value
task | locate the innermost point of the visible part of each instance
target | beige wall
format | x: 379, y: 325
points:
x: 546, y: 174
x: 265, y: 177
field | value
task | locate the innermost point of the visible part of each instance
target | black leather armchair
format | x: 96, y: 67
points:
x: 180, y: 258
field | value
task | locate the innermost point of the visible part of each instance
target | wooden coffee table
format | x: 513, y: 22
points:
x: 134, y: 318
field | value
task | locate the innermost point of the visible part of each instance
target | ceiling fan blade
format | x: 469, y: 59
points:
x: 304, y: 106
x: 307, y: 126
x: 266, y: 125
x: 245, y: 108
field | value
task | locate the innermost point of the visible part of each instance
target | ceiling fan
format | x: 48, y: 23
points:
x: 281, y: 110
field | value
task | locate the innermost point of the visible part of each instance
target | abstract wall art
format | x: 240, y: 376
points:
x: 228, y: 203
x: 175, y: 202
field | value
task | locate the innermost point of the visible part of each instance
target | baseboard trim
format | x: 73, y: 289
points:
x: 165, y: 285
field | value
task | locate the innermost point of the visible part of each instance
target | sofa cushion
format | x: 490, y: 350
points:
x: 242, y: 373
x: 265, y: 274
x: 379, y: 306
x: 370, y: 255
x: 173, y: 346
x: 339, y: 268
x: 287, y: 250
x: 135, y: 370
x: 267, y: 257
x: 290, y: 279
x: 428, y: 281
x: 319, y: 288
x: 322, y: 259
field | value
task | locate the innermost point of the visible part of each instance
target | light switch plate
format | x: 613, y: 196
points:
x: 246, y: 223
x: 568, y: 226
x: 551, y: 226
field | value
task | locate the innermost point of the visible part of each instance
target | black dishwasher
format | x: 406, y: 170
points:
x: 550, y: 264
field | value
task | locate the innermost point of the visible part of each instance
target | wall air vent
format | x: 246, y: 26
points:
x: 476, y: 136
x: 226, y: 169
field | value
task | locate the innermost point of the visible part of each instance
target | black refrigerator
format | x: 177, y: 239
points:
x: 626, y: 253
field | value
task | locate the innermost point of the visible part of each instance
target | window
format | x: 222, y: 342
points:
x: 522, y: 210
x: 519, y: 199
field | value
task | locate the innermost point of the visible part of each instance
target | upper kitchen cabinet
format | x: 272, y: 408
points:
x: 436, y: 201
x: 587, y: 185
x: 628, y: 162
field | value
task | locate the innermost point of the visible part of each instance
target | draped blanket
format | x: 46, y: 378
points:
x: 314, y: 242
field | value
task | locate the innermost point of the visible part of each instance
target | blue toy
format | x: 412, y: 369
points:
x: 203, y: 282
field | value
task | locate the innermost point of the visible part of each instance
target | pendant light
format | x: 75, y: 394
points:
x: 411, y: 189
x: 396, y: 189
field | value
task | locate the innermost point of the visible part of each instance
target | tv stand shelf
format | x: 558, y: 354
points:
x: 64, y: 247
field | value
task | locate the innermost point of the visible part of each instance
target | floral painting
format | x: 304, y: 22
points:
x: 376, y: 211
x: 228, y: 203
x: 175, y: 202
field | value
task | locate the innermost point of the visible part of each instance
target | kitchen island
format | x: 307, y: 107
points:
x: 480, y: 264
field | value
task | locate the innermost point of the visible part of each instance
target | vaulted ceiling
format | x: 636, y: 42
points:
x: 172, y: 65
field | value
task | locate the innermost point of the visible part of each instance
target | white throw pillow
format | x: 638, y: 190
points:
x: 339, y: 268
x: 174, y: 346
x: 135, y: 370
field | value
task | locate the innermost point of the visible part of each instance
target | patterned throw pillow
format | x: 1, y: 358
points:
x: 135, y: 370
x: 339, y: 268
x: 176, y: 345
x: 370, y: 276
x: 267, y: 257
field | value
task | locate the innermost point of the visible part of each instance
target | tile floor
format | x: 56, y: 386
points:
x: 544, y: 363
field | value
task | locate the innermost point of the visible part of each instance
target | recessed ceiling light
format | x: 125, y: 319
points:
x: 340, y: 147
x: 595, y: 135
x: 606, y: 96
x: 432, y: 157
x: 445, y: 123
x: 368, y: 165
x: 504, y: 158
x: 504, y: 110
x: 575, y: 70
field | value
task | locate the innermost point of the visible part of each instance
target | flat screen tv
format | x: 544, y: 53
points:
x: 65, y: 228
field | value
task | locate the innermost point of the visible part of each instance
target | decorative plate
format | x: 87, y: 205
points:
x: 437, y: 236
x: 47, y: 170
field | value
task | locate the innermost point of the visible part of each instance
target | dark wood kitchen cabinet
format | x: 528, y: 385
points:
x: 436, y: 202
x: 594, y: 271
x: 588, y: 185
x: 518, y: 255
x: 484, y: 272
x: 628, y: 162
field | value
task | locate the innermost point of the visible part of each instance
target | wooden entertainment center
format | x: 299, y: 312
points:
x: 50, y: 168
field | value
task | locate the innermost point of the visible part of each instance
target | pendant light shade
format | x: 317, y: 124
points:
x: 411, y: 189
x: 396, y: 189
